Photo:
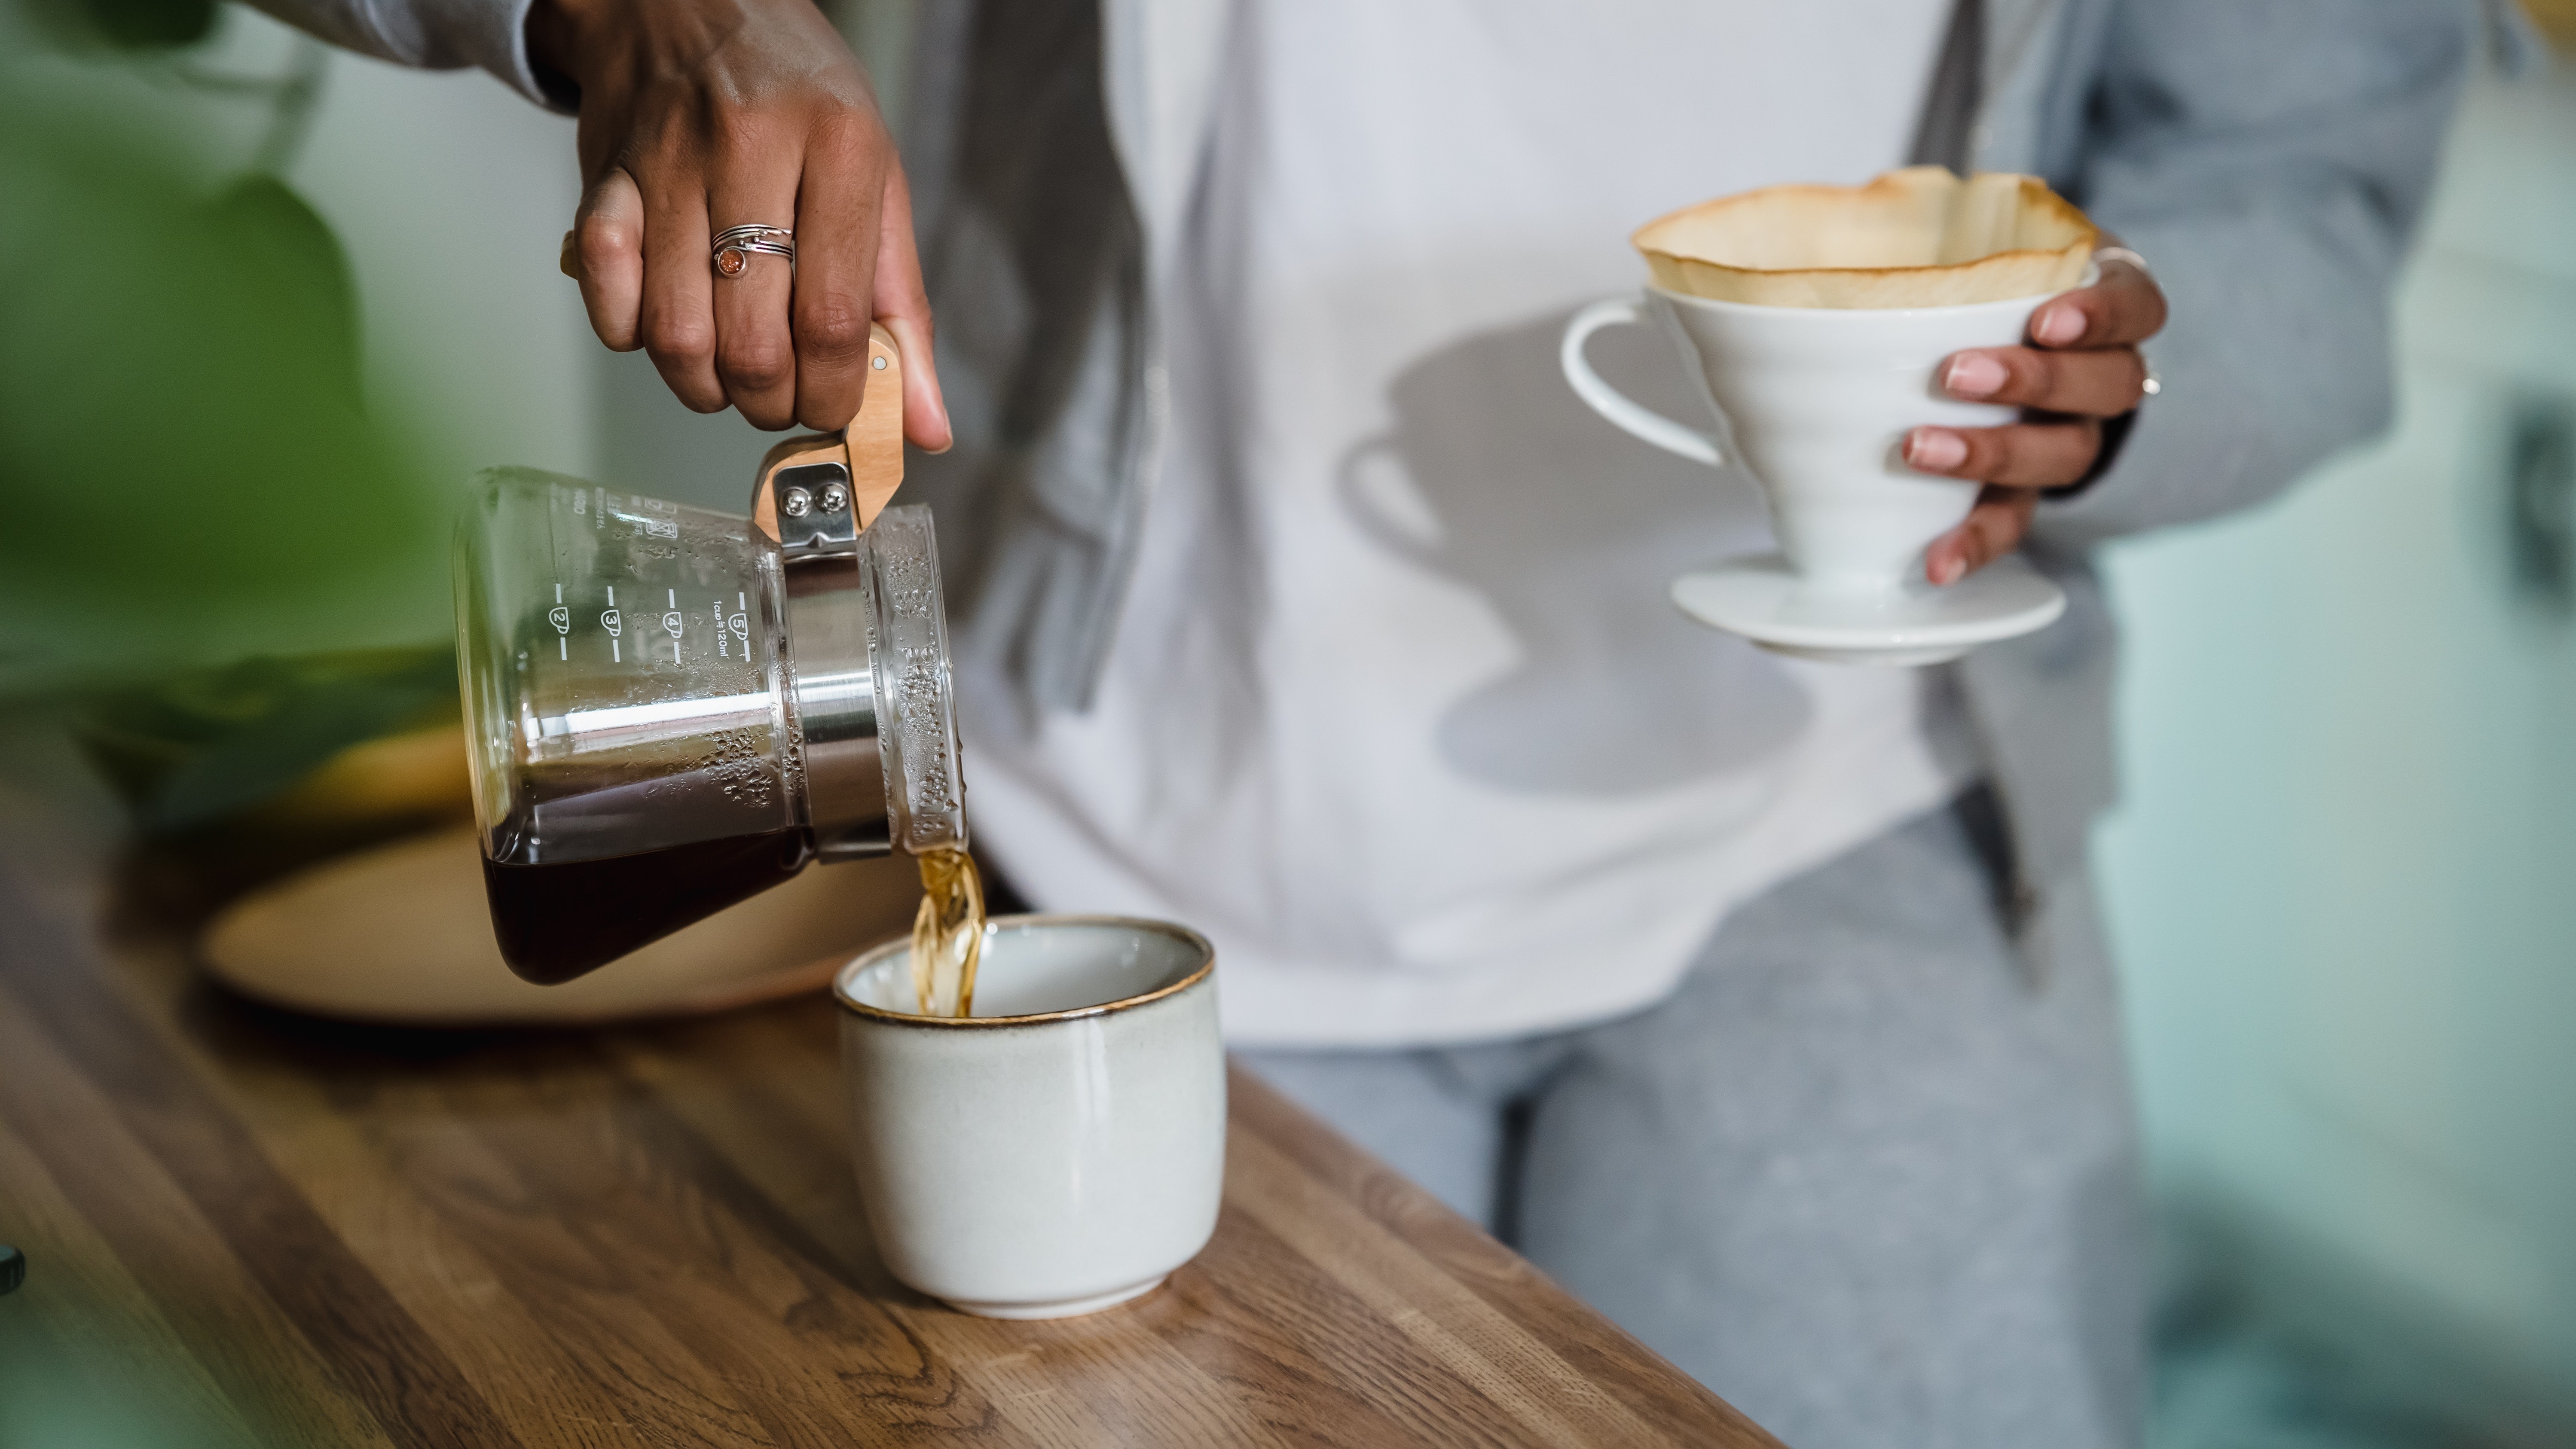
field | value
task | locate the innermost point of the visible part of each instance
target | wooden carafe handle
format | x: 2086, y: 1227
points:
x: 870, y: 448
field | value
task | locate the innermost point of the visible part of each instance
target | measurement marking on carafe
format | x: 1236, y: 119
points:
x: 561, y: 618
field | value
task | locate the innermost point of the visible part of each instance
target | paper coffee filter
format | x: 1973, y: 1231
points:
x: 1920, y: 237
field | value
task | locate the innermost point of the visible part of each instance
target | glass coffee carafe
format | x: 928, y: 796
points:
x: 669, y: 709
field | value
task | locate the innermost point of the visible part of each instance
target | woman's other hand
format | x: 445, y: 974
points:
x: 2081, y: 367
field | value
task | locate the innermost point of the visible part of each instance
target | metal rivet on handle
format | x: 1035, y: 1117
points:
x: 835, y: 498
x: 877, y: 363
x: 797, y: 503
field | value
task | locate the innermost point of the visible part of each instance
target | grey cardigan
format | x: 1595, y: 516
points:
x: 2270, y: 158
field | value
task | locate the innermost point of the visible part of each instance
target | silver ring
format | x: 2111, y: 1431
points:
x: 735, y: 247
x: 2122, y: 254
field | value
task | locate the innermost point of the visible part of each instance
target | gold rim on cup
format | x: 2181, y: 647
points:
x: 1183, y: 934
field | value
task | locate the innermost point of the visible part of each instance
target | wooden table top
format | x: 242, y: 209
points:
x: 250, y: 1229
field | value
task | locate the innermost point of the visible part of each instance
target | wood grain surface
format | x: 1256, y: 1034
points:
x: 246, y: 1228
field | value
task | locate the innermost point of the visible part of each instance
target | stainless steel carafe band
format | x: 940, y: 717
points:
x: 836, y: 707
x: 833, y: 678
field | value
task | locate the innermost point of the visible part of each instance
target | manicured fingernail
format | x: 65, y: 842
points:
x: 1935, y: 450
x: 1946, y: 571
x: 1972, y: 374
x: 2058, y: 326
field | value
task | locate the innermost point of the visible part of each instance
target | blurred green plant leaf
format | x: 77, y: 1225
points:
x: 308, y: 274
x: 152, y: 24
x: 184, y: 462
x: 136, y: 25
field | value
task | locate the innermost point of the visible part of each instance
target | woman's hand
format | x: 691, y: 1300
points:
x: 701, y: 115
x: 2082, y: 366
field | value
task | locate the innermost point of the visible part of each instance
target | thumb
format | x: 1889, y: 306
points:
x: 903, y: 305
x: 604, y: 252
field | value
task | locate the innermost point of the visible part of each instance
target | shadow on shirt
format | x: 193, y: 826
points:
x: 1495, y: 475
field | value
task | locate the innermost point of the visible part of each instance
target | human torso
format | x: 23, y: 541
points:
x: 1398, y: 711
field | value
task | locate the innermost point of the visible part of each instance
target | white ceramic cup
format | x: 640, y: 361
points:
x: 1816, y: 401
x: 1063, y: 1149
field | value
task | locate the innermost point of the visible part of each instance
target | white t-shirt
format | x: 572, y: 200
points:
x: 1399, y: 713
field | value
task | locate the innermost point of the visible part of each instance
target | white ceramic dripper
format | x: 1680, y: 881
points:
x: 1817, y: 402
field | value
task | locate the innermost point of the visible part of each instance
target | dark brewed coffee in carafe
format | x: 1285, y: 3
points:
x: 558, y: 919
x: 556, y: 922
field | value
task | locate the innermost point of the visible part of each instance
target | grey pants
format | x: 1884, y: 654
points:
x: 1856, y: 1175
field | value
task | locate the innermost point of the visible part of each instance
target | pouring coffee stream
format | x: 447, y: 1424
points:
x: 670, y: 709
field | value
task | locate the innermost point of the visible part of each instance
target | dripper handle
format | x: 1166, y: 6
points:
x: 865, y: 459
x: 1609, y: 402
